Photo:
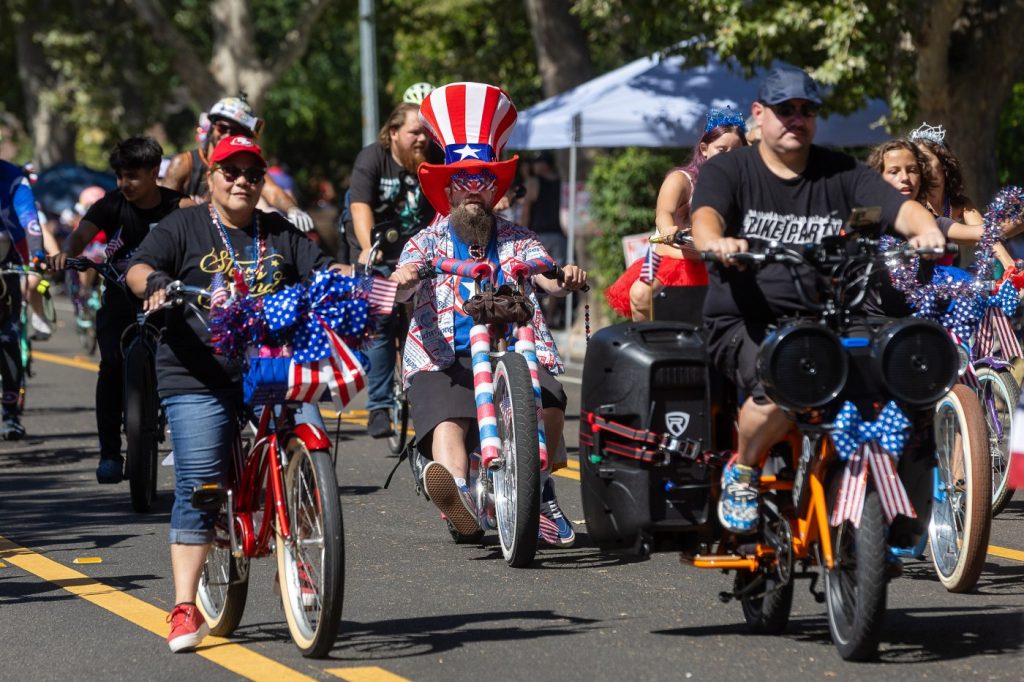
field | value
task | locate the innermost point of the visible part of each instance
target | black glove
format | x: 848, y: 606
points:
x: 156, y: 281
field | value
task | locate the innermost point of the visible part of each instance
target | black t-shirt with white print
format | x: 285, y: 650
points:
x: 187, y: 246
x: 126, y: 224
x: 758, y: 205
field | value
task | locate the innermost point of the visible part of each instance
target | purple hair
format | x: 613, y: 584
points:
x: 697, y: 159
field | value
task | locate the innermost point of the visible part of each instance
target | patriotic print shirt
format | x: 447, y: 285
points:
x: 187, y: 246
x: 430, y: 345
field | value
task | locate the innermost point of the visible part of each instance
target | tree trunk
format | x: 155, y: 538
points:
x: 968, y: 61
x: 47, y: 98
x: 235, y: 65
x: 562, y: 55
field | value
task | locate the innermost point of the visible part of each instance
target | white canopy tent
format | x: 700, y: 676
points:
x: 655, y: 102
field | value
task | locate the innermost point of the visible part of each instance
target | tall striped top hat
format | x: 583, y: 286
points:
x: 471, y: 122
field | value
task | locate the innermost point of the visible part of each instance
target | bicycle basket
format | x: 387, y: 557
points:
x: 266, y: 380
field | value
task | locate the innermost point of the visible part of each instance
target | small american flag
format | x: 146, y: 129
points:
x: 381, y: 294
x: 340, y: 373
x: 650, y: 267
x: 891, y: 492
x: 548, y: 530
x: 853, y: 487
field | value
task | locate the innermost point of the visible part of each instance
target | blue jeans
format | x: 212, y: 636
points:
x: 203, y: 428
x: 380, y: 351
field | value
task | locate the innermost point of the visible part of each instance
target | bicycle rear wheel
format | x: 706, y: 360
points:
x: 961, y: 521
x: 311, y: 564
x: 1000, y: 393
x: 855, y: 586
x: 398, y: 411
x: 224, y: 582
x: 141, y: 425
x: 517, y: 480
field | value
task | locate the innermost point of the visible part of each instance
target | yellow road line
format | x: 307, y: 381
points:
x: 233, y: 657
x: 367, y: 674
x: 568, y: 473
x: 67, y: 362
x: 1006, y: 553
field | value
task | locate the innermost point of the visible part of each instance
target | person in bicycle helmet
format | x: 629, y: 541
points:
x: 186, y: 173
x: 416, y: 93
x: 437, y: 365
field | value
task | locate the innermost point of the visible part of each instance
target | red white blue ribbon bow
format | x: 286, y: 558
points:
x: 1000, y: 307
x: 870, y: 446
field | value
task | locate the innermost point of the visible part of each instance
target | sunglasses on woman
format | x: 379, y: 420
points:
x: 253, y: 174
x: 787, y: 109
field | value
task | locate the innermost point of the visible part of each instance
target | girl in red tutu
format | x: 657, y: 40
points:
x: 665, y: 265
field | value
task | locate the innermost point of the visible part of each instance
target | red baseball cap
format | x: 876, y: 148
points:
x: 237, y: 144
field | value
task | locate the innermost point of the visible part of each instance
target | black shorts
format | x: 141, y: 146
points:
x: 447, y: 394
x: 732, y: 347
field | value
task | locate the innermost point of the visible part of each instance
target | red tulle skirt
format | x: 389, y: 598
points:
x: 672, y: 272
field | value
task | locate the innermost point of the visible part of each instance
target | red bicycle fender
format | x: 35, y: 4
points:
x: 314, y: 438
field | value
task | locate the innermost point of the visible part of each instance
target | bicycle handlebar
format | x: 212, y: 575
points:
x: 557, y: 273
x: 463, y: 268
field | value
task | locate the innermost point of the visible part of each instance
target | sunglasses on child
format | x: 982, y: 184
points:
x: 253, y: 174
x: 787, y: 109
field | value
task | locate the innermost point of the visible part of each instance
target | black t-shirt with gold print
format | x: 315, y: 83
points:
x: 187, y: 246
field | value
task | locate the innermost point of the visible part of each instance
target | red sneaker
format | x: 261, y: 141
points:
x: 188, y: 627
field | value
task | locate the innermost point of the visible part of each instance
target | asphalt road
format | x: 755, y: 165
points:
x: 85, y: 585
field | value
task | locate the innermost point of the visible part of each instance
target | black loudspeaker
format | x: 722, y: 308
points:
x: 648, y: 405
x: 680, y: 304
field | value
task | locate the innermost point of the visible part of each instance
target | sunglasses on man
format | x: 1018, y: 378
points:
x: 228, y: 129
x: 787, y: 109
x: 253, y: 174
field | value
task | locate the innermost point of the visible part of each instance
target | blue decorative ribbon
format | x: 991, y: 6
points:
x: 889, y: 430
x: 332, y: 299
x: 964, y: 315
x: 1006, y: 299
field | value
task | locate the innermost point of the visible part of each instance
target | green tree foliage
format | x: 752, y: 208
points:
x: 1011, y: 140
x: 623, y: 188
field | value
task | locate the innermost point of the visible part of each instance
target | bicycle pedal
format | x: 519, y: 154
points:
x: 209, y: 498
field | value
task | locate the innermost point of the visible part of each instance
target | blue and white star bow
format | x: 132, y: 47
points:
x: 963, y: 316
x: 1006, y: 299
x: 331, y: 300
x: 889, y: 430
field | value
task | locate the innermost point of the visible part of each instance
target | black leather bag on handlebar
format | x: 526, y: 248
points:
x: 504, y: 305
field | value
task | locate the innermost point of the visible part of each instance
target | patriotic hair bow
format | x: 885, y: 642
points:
x: 331, y: 301
x: 889, y: 430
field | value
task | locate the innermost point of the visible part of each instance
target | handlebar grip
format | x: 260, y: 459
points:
x: 557, y: 273
x: 426, y: 272
x: 463, y: 268
x: 519, y: 270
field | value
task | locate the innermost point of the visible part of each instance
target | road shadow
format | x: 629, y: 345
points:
x: 913, y: 635
x: 32, y: 590
x: 430, y: 635
x: 995, y: 578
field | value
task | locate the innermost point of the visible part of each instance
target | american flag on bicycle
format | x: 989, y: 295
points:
x: 218, y: 292
x: 380, y: 294
x: 650, y: 267
x: 340, y: 373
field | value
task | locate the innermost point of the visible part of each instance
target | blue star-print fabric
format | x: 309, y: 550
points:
x: 464, y: 289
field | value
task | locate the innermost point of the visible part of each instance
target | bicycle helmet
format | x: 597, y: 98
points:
x: 416, y: 93
x: 237, y: 110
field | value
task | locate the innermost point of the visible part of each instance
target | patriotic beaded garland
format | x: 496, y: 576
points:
x: 259, y: 249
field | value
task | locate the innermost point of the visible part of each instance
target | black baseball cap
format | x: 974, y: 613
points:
x: 783, y: 83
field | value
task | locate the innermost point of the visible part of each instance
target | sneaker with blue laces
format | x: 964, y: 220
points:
x: 554, y: 530
x: 739, y: 507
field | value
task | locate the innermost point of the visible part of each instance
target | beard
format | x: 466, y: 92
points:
x: 410, y: 158
x: 473, y: 223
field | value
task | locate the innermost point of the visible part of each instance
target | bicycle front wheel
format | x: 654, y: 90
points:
x: 141, y: 427
x: 517, y: 480
x: 960, y: 524
x: 311, y: 563
x: 855, y: 586
x: 999, y: 395
x: 224, y: 582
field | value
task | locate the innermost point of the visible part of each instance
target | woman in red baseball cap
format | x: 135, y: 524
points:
x: 225, y: 244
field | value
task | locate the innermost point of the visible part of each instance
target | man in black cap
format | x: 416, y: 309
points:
x: 788, y: 190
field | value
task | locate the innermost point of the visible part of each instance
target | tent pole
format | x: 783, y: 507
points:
x: 570, y: 252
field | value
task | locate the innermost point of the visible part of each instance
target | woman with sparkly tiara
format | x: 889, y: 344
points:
x: 945, y: 195
x: 665, y: 265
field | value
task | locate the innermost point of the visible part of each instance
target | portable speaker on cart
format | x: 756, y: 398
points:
x: 649, y: 409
